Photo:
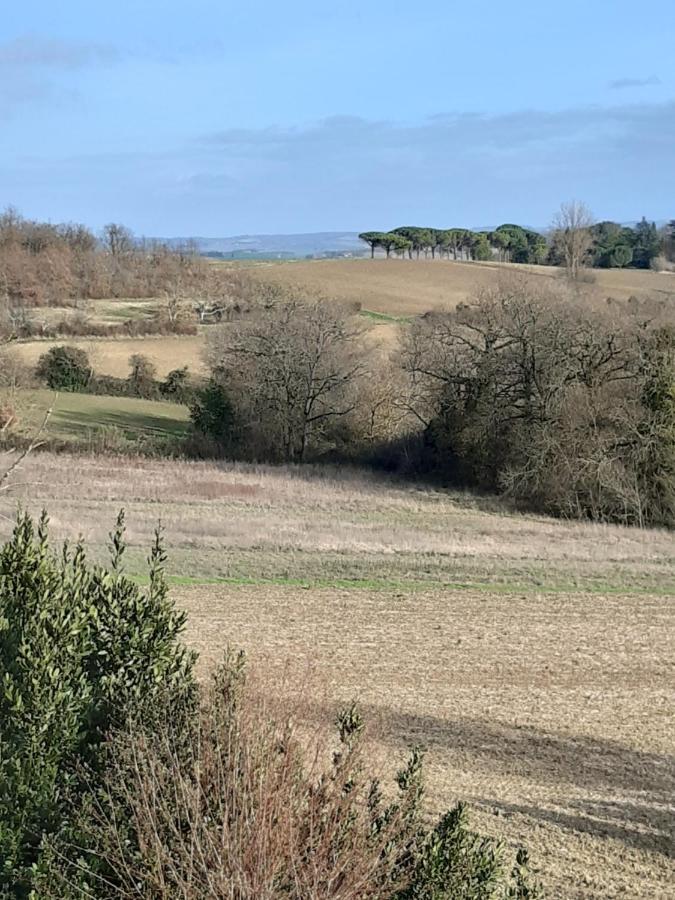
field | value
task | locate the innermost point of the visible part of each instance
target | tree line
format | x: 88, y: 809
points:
x: 596, y: 245
x: 559, y: 405
x: 510, y: 242
x: 45, y: 264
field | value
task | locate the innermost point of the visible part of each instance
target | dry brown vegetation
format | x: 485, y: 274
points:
x: 43, y: 265
x: 397, y: 287
x: 532, y: 657
x: 392, y: 288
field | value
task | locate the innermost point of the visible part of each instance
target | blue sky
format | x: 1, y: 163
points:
x: 215, y: 118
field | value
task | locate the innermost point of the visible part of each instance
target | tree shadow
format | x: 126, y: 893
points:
x: 644, y: 825
x: 128, y: 421
x: 551, y: 757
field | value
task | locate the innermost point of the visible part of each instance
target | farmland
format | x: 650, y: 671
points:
x: 531, y: 657
x: 388, y: 291
x: 401, y: 287
x: 110, y: 356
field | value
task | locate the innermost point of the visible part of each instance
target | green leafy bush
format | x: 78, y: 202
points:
x: 65, y: 368
x: 212, y: 412
x: 82, y: 650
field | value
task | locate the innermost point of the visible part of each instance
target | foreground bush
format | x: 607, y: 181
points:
x: 81, y: 650
x: 116, y: 782
x: 240, y: 804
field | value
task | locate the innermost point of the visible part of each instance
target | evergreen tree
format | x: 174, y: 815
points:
x: 647, y: 244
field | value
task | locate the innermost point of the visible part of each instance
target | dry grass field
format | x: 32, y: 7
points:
x: 388, y: 290
x: 532, y: 658
x: 110, y: 356
x: 396, y: 287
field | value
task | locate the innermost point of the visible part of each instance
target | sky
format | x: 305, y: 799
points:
x: 217, y: 118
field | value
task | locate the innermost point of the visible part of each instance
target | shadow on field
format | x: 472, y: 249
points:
x: 530, y: 753
x: 645, y: 821
x: 127, y: 421
x: 648, y: 826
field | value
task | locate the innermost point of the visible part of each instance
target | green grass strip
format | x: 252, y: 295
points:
x: 374, y: 584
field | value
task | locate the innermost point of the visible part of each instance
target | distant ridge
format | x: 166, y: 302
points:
x: 285, y: 245
x: 297, y: 246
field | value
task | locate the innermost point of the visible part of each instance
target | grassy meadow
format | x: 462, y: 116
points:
x: 531, y: 657
x: 98, y: 423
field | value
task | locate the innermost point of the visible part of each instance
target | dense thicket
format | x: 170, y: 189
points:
x: 116, y: 781
x: 565, y: 406
x: 42, y: 264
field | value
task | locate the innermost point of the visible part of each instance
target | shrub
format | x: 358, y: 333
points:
x: 8, y: 416
x: 212, y: 412
x: 142, y: 378
x: 240, y: 804
x: 14, y: 373
x: 82, y: 649
x: 65, y: 368
x: 109, y: 386
x: 176, y: 386
x: 662, y: 264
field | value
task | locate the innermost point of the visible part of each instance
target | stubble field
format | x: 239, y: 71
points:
x: 532, y: 658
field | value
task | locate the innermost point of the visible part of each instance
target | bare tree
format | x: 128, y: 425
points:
x: 117, y: 239
x: 572, y: 235
x: 292, y: 368
x: 558, y: 403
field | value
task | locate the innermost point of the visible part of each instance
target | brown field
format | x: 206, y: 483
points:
x: 532, y: 658
x: 391, y: 289
x: 110, y: 356
x: 396, y: 287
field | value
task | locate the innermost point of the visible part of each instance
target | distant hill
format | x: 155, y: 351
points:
x: 241, y: 246
x: 293, y: 246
